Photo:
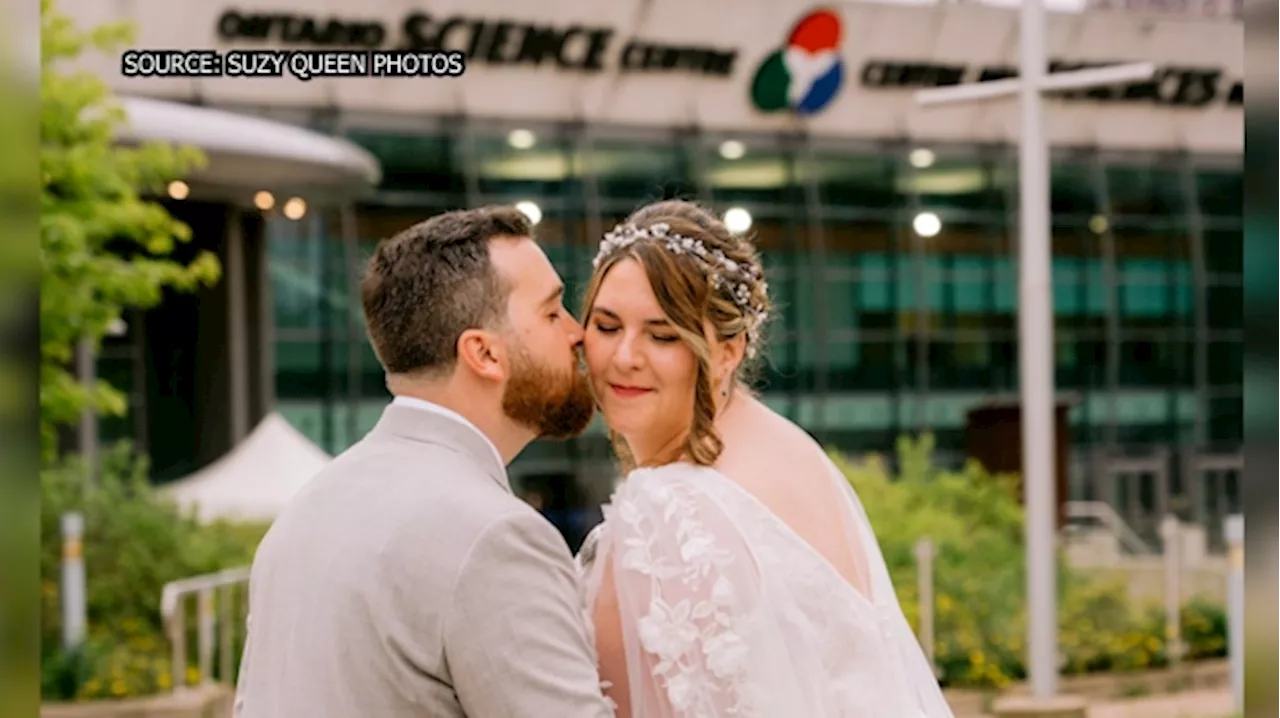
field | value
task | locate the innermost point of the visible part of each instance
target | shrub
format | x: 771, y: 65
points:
x: 1204, y: 629
x: 975, y: 521
x: 135, y: 541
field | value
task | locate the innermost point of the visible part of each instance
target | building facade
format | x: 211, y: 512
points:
x: 888, y: 229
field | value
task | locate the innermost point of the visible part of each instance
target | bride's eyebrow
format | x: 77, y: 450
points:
x: 610, y: 314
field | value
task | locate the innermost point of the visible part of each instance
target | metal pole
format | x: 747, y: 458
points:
x: 1035, y: 329
x: 1234, y: 530
x: 74, y: 618
x: 924, y: 587
x: 1171, y: 534
x: 178, y: 643
x: 1069, y: 80
x: 1035, y: 320
x: 226, y: 635
x: 205, y: 629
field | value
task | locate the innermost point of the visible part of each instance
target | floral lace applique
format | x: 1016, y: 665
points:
x: 691, y: 626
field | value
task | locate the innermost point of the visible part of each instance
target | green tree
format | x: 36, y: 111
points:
x: 106, y: 247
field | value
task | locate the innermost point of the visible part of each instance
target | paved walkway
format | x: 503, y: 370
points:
x: 1191, y: 704
x: 1215, y: 703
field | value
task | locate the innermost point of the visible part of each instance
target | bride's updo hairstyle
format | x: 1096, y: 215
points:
x: 701, y: 275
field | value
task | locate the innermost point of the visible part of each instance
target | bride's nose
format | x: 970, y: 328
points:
x: 627, y: 355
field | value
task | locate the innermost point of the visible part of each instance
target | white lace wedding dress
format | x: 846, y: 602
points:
x: 726, y: 611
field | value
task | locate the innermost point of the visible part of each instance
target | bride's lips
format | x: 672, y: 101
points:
x: 628, y: 392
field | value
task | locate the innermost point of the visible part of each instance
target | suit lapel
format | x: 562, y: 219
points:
x: 428, y: 427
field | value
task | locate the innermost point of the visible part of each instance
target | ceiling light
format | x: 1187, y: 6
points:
x: 179, y: 189
x: 264, y: 200
x: 295, y: 208
x: 737, y: 220
x: 522, y: 139
x: 732, y: 150
x: 921, y: 158
x: 926, y: 224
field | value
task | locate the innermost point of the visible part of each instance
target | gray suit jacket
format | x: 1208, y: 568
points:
x: 405, y: 580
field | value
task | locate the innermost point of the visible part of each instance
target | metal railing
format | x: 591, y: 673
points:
x: 1199, y: 486
x: 215, y: 613
x: 1104, y: 514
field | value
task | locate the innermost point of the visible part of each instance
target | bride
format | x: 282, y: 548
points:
x: 735, y: 573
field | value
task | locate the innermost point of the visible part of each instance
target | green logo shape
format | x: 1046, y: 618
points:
x: 769, y: 88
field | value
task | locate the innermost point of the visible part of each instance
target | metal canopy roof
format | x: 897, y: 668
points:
x: 246, y: 154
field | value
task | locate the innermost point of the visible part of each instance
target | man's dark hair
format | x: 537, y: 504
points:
x: 428, y: 284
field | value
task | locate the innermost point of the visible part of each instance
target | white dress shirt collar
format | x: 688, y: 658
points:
x: 424, y: 405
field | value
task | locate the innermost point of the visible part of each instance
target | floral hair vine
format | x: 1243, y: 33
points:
x: 723, y: 272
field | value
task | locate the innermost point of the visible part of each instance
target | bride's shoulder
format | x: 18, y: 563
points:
x: 769, y: 445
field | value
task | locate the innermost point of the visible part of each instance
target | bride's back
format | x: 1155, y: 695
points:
x: 790, y: 474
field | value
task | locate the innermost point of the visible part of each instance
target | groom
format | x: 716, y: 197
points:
x: 406, y: 580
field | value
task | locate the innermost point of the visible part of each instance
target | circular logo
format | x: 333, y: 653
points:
x: 804, y: 75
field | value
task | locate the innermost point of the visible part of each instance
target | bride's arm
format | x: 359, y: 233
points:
x: 683, y: 588
x: 610, y: 648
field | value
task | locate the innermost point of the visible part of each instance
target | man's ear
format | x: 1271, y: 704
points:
x: 483, y: 353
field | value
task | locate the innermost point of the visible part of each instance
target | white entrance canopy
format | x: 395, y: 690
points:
x: 246, y: 154
x: 256, y: 479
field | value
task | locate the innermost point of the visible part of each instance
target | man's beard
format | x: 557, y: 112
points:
x: 556, y: 405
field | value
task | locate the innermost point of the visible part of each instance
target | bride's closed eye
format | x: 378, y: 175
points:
x: 610, y: 329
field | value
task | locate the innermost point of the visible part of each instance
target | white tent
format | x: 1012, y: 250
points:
x: 256, y: 479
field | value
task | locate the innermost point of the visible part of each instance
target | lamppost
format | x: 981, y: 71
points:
x: 1035, y: 318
